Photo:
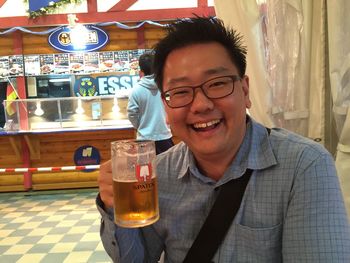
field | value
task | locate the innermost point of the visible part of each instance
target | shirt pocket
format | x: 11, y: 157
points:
x: 258, y: 244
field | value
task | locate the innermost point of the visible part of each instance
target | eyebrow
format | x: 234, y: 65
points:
x: 209, y: 72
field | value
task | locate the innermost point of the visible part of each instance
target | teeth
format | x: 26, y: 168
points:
x: 205, y: 125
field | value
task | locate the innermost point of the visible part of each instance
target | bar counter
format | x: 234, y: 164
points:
x: 54, y: 148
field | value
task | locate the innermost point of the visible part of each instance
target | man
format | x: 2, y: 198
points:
x: 145, y: 108
x: 292, y: 209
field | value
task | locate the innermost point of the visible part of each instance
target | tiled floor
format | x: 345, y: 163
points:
x: 50, y: 227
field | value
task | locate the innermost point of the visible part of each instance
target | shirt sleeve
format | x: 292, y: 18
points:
x: 133, y: 110
x: 316, y: 227
x: 123, y: 245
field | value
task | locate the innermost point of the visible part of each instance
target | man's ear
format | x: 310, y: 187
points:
x: 141, y: 74
x: 245, y: 87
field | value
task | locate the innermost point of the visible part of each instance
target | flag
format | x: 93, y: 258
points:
x: 11, y: 94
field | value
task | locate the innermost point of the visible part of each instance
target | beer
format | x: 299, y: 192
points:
x: 135, y: 203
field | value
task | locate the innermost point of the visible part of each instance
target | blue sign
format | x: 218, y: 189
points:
x: 35, y: 5
x: 79, y: 38
x: 87, y: 155
x: 105, y: 85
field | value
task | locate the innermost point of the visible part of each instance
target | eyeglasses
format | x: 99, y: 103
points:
x: 215, y: 88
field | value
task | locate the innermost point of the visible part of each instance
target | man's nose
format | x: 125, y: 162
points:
x: 200, y: 101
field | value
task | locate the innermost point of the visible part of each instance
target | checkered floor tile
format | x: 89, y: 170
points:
x: 50, y: 227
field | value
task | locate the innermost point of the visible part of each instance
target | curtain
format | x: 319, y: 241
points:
x: 339, y: 72
x: 285, y: 62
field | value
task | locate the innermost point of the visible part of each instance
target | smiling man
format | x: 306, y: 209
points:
x: 292, y: 209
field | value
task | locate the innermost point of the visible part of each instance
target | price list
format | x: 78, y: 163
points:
x: 76, y: 62
x: 91, y: 62
x: 61, y: 63
x: 46, y: 64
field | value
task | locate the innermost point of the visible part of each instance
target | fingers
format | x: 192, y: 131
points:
x: 105, y: 184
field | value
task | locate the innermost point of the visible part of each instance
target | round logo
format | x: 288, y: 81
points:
x: 85, y: 87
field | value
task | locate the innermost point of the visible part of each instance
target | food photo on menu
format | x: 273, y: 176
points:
x: 32, y: 65
x: 61, y: 63
x: 121, y: 59
x: 4, y: 66
x: 106, y: 61
x: 76, y: 63
x: 46, y: 64
x: 91, y: 63
x: 16, y: 65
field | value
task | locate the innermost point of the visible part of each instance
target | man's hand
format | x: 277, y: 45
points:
x: 105, y: 183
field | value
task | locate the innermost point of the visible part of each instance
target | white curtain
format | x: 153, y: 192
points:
x: 285, y: 60
x: 286, y: 63
x: 338, y: 14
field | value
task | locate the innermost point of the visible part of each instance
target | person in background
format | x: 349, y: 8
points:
x: 292, y: 209
x: 145, y: 108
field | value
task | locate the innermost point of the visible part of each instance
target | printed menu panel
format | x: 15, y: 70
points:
x: 76, y: 62
x: 121, y: 59
x: 71, y: 63
x: 106, y: 61
x: 91, y: 62
x: 32, y: 65
x: 16, y: 65
x: 46, y: 64
x: 134, y: 60
x: 61, y: 63
x: 4, y: 66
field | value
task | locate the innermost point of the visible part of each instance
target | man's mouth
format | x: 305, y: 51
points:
x: 203, y: 126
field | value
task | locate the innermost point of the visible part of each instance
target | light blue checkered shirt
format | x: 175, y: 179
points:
x: 292, y: 210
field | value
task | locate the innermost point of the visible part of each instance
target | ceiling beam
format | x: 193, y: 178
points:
x: 122, y: 5
x: 99, y: 17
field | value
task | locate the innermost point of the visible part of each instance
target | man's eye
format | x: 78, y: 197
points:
x: 180, y: 93
x: 217, y: 84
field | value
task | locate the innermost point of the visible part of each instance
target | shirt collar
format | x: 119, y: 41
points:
x: 254, y: 153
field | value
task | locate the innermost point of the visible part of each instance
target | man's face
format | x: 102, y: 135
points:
x: 210, y: 127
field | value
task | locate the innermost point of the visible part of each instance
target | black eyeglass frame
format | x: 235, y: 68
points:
x: 233, y: 77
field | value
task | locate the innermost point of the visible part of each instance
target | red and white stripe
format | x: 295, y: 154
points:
x: 49, y: 169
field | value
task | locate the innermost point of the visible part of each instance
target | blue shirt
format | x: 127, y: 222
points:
x: 292, y: 210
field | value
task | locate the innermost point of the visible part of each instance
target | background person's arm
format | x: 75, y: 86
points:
x: 133, y: 110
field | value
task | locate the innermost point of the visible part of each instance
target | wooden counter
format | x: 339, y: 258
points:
x: 53, y: 149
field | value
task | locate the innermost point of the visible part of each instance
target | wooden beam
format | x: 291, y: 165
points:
x: 202, y: 3
x: 141, y: 38
x: 92, y: 6
x: 99, y: 17
x: 33, y: 144
x: 2, y: 2
x: 16, y: 146
x: 122, y: 5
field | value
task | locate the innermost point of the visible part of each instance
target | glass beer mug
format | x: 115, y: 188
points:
x: 134, y: 183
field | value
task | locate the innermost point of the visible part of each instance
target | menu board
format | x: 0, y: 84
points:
x: 46, y: 64
x: 4, y: 66
x: 32, y: 65
x: 106, y: 61
x: 134, y: 60
x: 76, y: 62
x: 71, y: 63
x: 121, y: 59
x: 91, y: 62
x: 61, y: 63
x: 16, y: 65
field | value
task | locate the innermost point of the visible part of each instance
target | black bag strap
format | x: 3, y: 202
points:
x: 219, y: 219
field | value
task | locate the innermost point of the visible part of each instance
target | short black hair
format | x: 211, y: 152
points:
x: 199, y: 30
x: 146, y: 63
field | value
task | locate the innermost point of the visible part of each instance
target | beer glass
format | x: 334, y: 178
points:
x: 134, y: 183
